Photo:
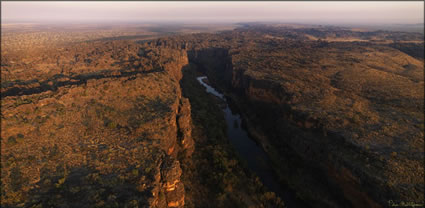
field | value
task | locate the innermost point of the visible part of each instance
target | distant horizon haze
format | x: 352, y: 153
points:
x: 391, y: 12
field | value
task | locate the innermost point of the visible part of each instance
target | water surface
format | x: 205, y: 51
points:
x: 254, y: 156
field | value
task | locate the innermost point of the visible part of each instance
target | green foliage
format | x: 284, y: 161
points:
x: 84, y: 93
x: 40, y: 119
x: 37, y: 206
x: 415, y: 50
x: 60, y: 182
x: 109, y: 123
x: 11, y: 140
x: 54, y: 151
x: 17, y: 179
x: 21, y: 101
x: 135, y: 172
x: 20, y: 137
x: 87, y: 187
x: 112, y: 125
x: 356, y: 119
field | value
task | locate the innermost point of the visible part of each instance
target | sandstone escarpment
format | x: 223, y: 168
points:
x: 215, y: 176
x: 343, y: 130
x: 105, y: 139
x: 185, y: 127
x: 108, y: 123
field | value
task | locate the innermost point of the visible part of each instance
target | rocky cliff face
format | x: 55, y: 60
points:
x: 331, y: 117
x: 105, y: 123
x: 105, y: 139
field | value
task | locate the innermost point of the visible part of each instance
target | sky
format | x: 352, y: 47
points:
x: 390, y: 12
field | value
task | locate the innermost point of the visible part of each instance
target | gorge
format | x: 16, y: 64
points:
x: 289, y: 117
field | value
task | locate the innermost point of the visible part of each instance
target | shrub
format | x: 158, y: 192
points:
x: 135, y: 172
x: 112, y: 125
x: 17, y: 180
x: 20, y: 137
x: 11, y: 140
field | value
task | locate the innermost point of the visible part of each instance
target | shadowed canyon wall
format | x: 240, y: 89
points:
x: 324, y: 166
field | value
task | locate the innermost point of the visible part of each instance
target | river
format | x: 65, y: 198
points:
x: 254, y: 156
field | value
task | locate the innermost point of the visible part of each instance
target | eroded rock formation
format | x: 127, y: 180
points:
x: 105, y: 122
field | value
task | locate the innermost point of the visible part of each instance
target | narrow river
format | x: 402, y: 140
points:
x: 255, y: 157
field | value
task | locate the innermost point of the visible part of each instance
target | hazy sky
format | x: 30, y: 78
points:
x: 297, y: 12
